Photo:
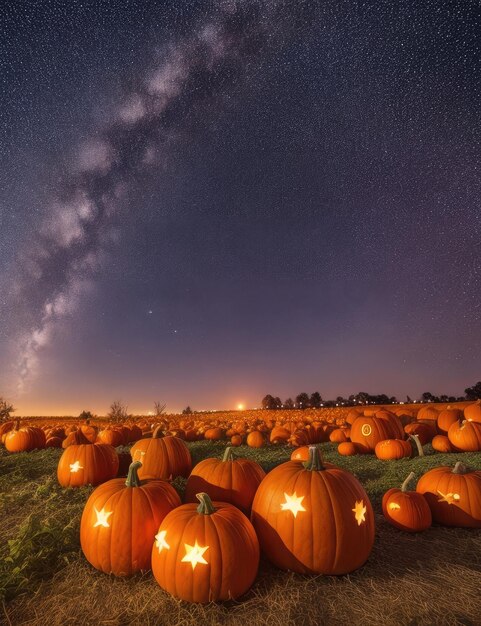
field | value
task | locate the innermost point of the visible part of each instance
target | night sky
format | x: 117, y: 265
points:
x: 205, y: 202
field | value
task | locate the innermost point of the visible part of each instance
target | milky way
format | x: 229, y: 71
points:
x: 223, y: 200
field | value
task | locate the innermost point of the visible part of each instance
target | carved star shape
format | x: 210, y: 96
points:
x: 102, y: 517
x: 450, y: 498
x: 160, y: 541
x: 75, y: 467
x: 359, y: 511
x: 193, y: 554
x: 293, y: 503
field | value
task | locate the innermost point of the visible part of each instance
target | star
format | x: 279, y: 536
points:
x: 102, y: 517
x: 450, y: 498
x: 160, y: 541
x: 293, y: 504
x: 75, y: 467
x: 193, y: 554
x: 359, y: 511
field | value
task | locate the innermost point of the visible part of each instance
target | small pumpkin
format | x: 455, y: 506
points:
x: 465, y: 436
x: 441, y: 443
x: 205, y: 553
x: 162, y: 457
x: 120, y: 521
x: 255, y: 439
x: 348, y: 448
x: 406, y: 510
x: 448, y: 416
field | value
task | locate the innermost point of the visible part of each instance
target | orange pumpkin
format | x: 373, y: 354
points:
x: 447, y: 417
x: 214, y: 434
x: 391, y: 449
x: 453, y: 495
x: 162, y: 457
x: 24, y: 439
x: 228, y: 480
x: 465, y: 436
x: 255, y: 439
x: 473, y: 412
x: 87, y: 464
x: 368, y: 431
x: 120, y: 521
x: 313, y: 518
x: 347, y: 449
x: 300, y: 454
x: 338, y: 435
x: 236, y: 440
x: 205, y: 553
x: 406, y: 510
x: 441, y: 443
x: 113, y: 436
x: 424, y: 431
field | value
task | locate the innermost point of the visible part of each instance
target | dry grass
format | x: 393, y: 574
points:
x: 431, y: 578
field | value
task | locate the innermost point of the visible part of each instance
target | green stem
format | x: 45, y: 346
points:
x: 133, y: 479
x: 417, y: 441
x: 404, y: 486
x: 460, y: 468
x: 228, y: 454
x: 314, y: 463
x: 205, y: 507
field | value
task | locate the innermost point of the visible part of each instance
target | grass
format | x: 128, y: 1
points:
x: 431, y: 578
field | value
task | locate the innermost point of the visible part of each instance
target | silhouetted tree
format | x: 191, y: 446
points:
x: 427, y: 396
x: 85, y: 416
x: 5, y: 409
x: 270, y: 403
x: 278, y: 402
x: 474, y: 392
x: 289, y: 403
x: 315, y: 400
x: 302, y: 401
x: 187, y: 411
x: 159, y: 408
x: 118, y: 412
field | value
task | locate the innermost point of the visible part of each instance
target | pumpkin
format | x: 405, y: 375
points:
x: 453, y: 495
x: 406, y: 510
x: 338, y: 435
x: 368, y: 431
x: 465, y: 436
x: 24, y: 439
x: 214, y: 434
x: 393, y: 449
x: 236, y: 440
x: 255, y: 439
x: 113, y: 436
x: 347, y: 449
x: 205, y: 553
x: 300, y: 454
x: 120, y: 520
x: 473, y: 412
x: 228, y: 480
x: 441, y: 443
x: 428, y: 413
x: 87, y: 464
x: 313, y: 518
x: 424, y: 431
x: 84, y: 435
x: 447, y: 417
x: 53, y: 442
x: 279, y: 434
x: 394, y: 422
x: 162, y: 457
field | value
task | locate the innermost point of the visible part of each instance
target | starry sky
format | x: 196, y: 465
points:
x: 204, y: 202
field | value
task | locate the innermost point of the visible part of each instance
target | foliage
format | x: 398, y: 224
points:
x: 159, y: 408
x: 187, y: 411
x: 474, y: 392
x: 86, y: 416
x: 118, y: 412
x: 5, y: 409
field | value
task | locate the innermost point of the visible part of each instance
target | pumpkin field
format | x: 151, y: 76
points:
x: 323, y: 516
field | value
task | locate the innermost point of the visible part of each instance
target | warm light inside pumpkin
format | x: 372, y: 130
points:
x: 160, y: 541
x: 102, y: 517
x: 75, y: 467
x: 450, y: 498
x: 366, y: 430
x: 359, y: 511
x: 293, y: 503
x: 194, y: 554
x: 394, y: 506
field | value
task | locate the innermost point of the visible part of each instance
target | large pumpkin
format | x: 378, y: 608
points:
x: 465, y: 436
x: 406, y: 510
x: 369, y: 431
x: 162, y: 457
x: 448, y: 416
x: 473, y: 412
x: 24, y: 439
x: 120, y: 520
x: 313, y: 518
x: 228, y: 480
x: 453, y: 495
x: 87, y: 464
x: 205, y: 553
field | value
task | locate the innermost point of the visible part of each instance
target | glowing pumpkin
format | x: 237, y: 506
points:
x: 391, y: 449
x: 406, y: 510
x: 369, y: 431
x: 87, y: 464
x: 162, y: 457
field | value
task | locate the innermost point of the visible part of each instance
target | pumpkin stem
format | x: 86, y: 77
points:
x: 17, y: 424
x: 228, y: 454
x: 133, y: 479
x: 314, y: 463
x: 417, y: 441
x: 404, y: 486
x: 157, y: 434
x: 460, y: 468
x: 205, y: 507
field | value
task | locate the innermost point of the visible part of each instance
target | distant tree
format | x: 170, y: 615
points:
x: 5, y: 409
x: 302, y: 401
x: 315, y: 400
x: 444, y: 398
x: 393, y: 400
x: 270, y: 403
x: 289, y: 403
x: 362, y: 397
x: 451, y: 399
x: 159, y: 408
x: 427, y: 396
x: 118, y: 412
x: 409, y: 400
x: 86, y: 416
x: 474, y: 392
x: 187, y: 411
